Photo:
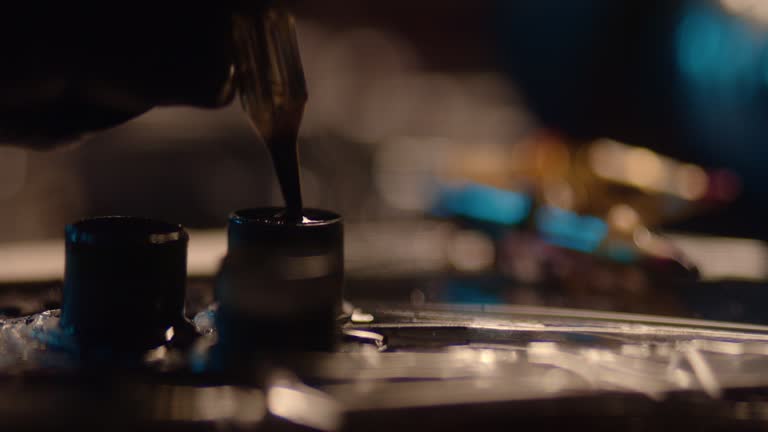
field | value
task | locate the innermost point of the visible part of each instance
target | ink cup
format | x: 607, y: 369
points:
x: 280, y: 286
x: 124, y: 284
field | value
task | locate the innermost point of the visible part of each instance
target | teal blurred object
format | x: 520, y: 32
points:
x: 722, y: 61
x: 482, y: 203
x: 570, y: 230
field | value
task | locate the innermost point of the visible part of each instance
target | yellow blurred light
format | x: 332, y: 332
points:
x: 304, y: 406
x: 691, y: 182
x: 623, y: 218
x: 756, y: 10
x: 603, y: 154
x: 647, y: 170
x: 644, y: 168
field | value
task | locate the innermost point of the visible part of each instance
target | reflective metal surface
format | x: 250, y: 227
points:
x: 446, y: 359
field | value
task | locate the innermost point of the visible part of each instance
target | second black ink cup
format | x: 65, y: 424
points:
x: 280, y: 286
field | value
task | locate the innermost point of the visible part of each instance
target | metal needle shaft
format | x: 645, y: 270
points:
x: 273, y: 92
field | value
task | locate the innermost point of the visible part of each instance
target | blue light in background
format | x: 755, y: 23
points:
x: 722, y: 62
x: 483, y: 203
x: 716, y: 50
x: 569, y: 230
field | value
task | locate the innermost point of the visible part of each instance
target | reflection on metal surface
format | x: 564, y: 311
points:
x: 219, y: 404
x: 366, y: 336
x: 703, y: 371
x: 289, y: 399
x: 559, y: 320
x: 647, y: 355
x: 603, y: 368
x: 358, y: 316
x: 438, y: 355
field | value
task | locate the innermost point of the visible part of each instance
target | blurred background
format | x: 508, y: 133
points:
x: 594, y: 153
